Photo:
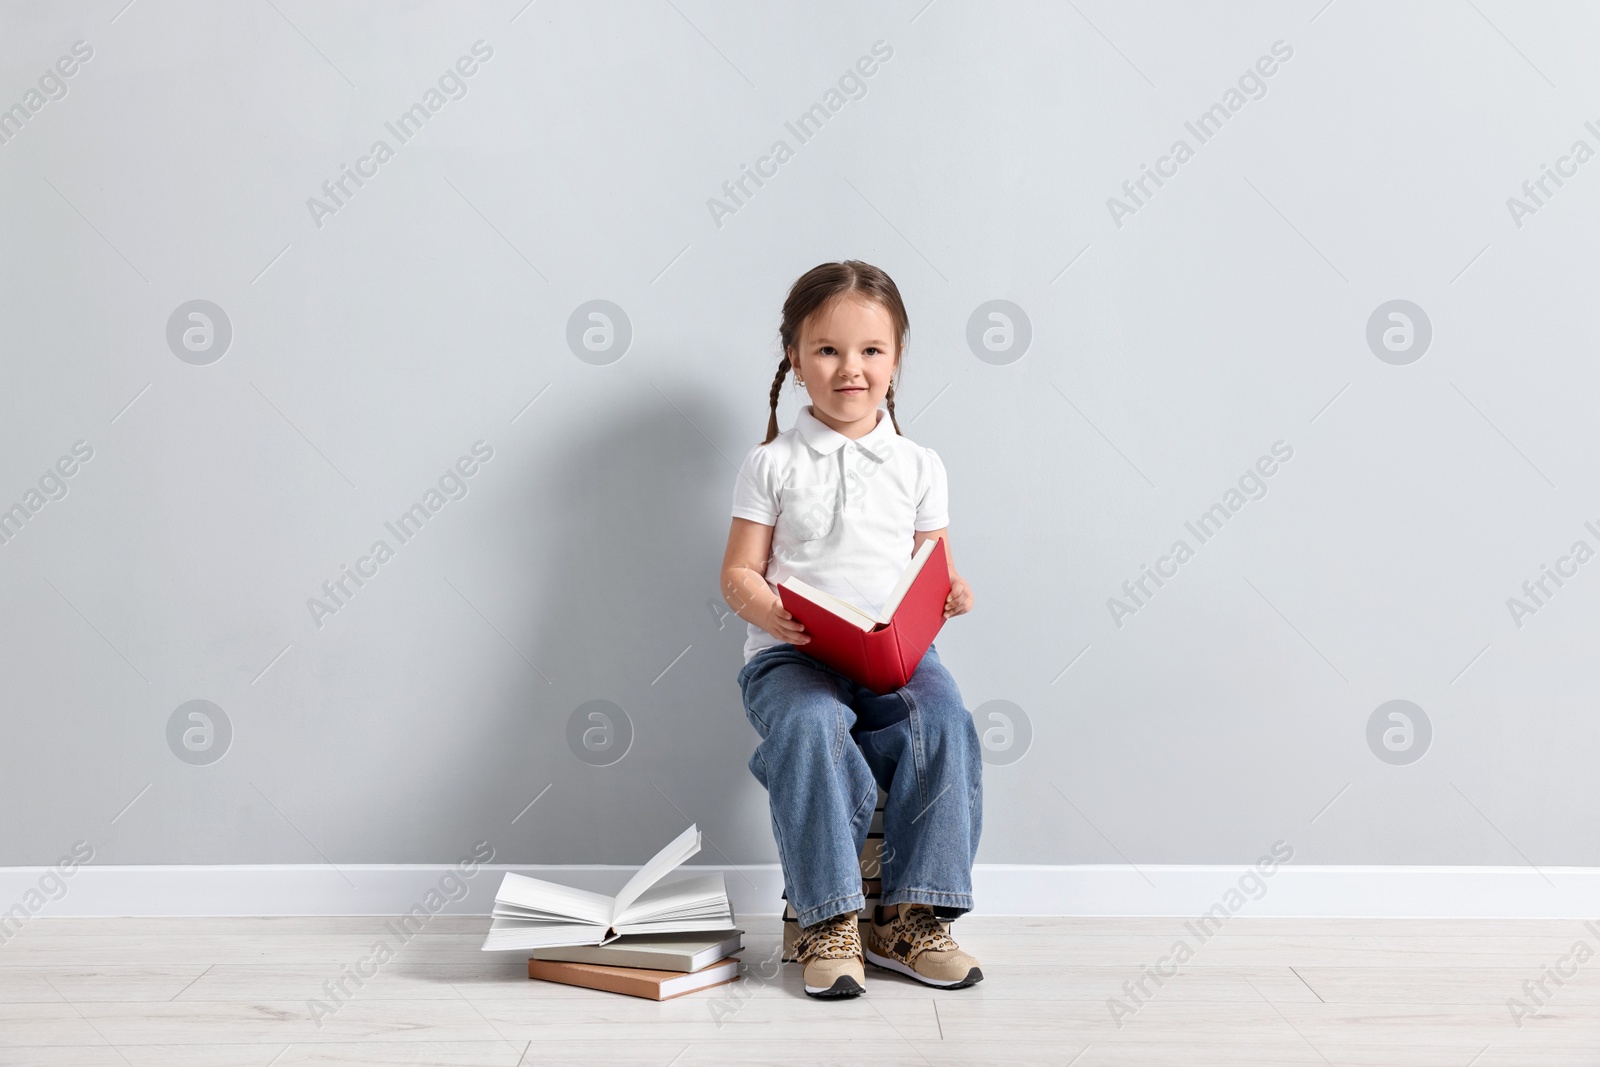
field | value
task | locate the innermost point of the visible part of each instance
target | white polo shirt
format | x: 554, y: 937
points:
x: 843, y: 512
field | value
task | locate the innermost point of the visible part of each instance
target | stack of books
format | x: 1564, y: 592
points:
x: 651, y: 940
x: 871, y: 886
x: 655, y: 968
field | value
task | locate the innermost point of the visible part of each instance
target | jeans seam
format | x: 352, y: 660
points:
x: 758, y: 720
x: 829, y: 903
x: 834, y: 900
x: 839, y: 731
x: 904, y: 896
x: 749, y: 709
x: 914, y: 722
x: 871, y: 798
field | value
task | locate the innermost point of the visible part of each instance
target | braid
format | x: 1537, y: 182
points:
x: 892, y: 420
x: 777, y: 387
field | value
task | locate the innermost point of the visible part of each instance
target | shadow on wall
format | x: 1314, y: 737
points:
x: 640, y: 729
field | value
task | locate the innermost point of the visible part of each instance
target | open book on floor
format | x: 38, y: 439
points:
x: 530, y: 913
x: 879, y: 650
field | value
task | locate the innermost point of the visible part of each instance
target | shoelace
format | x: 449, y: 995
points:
x: 837, y: 938
x: 922, y: 930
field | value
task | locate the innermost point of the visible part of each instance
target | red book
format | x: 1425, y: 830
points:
x: 879, y: 651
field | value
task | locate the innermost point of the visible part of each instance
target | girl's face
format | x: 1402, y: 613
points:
x: 846, y: 356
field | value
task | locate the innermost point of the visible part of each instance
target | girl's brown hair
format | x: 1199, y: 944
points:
x: 815, y: 288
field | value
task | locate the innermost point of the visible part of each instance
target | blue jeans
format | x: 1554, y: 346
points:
x: 827, y: 744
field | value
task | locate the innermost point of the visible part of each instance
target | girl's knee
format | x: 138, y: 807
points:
x: 948, y: 719
x: 806, y: 728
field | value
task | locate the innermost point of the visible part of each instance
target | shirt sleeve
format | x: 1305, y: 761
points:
x: 933, y: 506
x: 755, y: 492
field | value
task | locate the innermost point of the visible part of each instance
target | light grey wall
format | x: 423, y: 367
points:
x: 1172, y: 345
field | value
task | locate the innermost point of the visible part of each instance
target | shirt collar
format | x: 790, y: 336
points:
x: 825, y: 440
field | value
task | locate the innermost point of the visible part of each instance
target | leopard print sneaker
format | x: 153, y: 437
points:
x: 915, y: 944
x: 830, y: 951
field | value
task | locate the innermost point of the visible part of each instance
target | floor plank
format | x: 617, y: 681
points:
x: 243, y: 991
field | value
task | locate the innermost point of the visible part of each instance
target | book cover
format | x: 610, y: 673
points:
x: 882, y: 659
x: 634, y: 981
x: 677, y: 952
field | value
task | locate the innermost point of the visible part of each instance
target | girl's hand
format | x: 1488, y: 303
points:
x: 782, y: 625
x: 959, y: 602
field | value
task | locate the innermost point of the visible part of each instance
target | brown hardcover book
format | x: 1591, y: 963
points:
x: 635, y: 981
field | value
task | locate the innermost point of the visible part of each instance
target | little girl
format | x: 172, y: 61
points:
x: 842, y: 501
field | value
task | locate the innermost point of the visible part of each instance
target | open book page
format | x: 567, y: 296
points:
x: 685, y: 926
x: 516, y: 934
x: 854, y: 615
x: 842, y: 608
x: 517, y: 911
x: 677, y: 851
x: 534, y: 898
x: 903, y: 586
x: 702, y: 896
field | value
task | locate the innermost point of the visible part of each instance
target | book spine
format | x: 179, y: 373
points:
x: 904, y: 665
x: 882, y: 653
x: 643, y: 960
x: 871, y: 659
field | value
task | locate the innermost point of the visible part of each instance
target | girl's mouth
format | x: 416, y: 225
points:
x: 852, y: 389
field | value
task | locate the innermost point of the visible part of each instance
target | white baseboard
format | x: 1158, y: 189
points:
x: 999, y: 889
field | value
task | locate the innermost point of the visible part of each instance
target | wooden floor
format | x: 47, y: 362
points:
x: 223, y: 992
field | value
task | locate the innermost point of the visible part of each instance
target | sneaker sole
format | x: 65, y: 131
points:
x: 843, y: 986
x: 888, y: 963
